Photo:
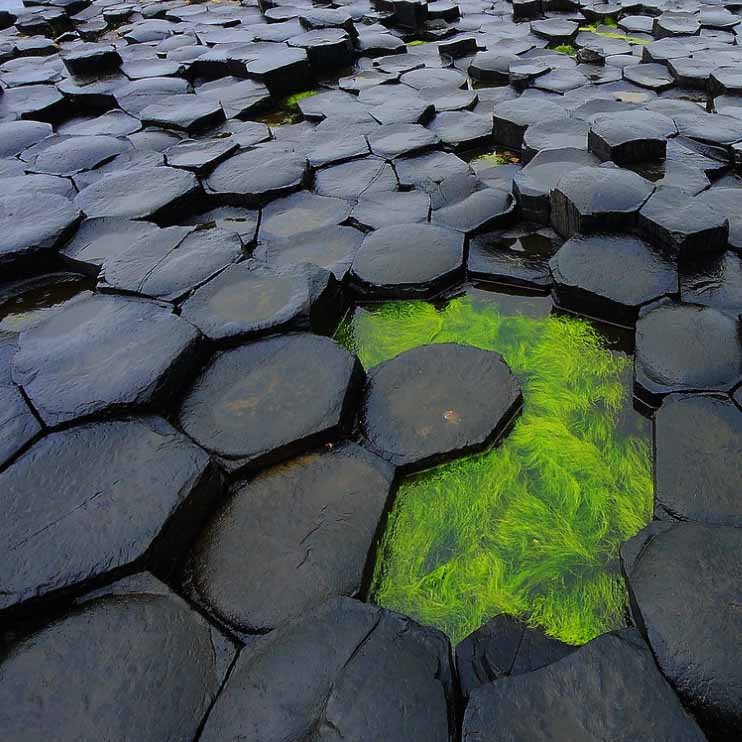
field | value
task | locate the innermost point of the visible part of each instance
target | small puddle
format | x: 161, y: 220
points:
x: 532, y: 527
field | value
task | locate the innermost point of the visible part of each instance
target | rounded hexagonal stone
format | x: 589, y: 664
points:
x: 684, y: 581
x: 513, y: 117
x: 698, y: 448
x: 554, y: 134
x: 301, y: 212
x: 68, y: 155
x: 33, y: 227
x: 334, y: 669
x: 686, y: 347
x: 138, y: 663
x: 611, y: 276
x: 630, y: 136
x: 291, y: 538
x: 127, y: 494
x: 407, y: 260
x: 435, y: 402
x: 462, y: 129
x: 101, y: 353
x: 591, y: 199
x: 394, y: 140
x: 376, y: 210
x: 271, y: 399
x: 15, y: 136
x: 728, y: 203
x: 484, y: 209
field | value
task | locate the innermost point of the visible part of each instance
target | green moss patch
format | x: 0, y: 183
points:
x: 609, y: 22
x: 286, y: 111
x: 566, y: 49
x: 530, y: 528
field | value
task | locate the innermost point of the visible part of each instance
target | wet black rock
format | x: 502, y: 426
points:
x: 32, y: 229
x: 394, y: 140
x: 355, y: 179
x: 488, y: 208
x: 291, y: 538
x: 18, y: 424
x: 15, y: 136
x: 138, y: 662
x: 250, y: 299
x: 611, y: 276
x: 518, y: 256
x: 127, y: 494
x: 728, y: 203
x: 301, y: 212
x: 189, y: 113
x: 436, y: 402
x: 608, y: 689
x: 271, y: 399
x: 632, y: 136
x: 554, y: 134
x: 686, y: 347
x: 504, y: 646
x: 591, y: 199
x: 408, y: 260
x: 103, y: 353
x: 200, y: 157
x: 382, y: 209
x: 363, y: 673
x: 698, y: 447
x: 462, y: 129
x: 171, y: 262
x: 684, y: 582
x: 715, y: 281
x: 140, y: 193
x: 512, y: 118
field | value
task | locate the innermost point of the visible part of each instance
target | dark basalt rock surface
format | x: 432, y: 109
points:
x: 631, y: 136
x: 90, y: 674
x: 685, y: 347
x: 18, y: 425
x: 698, y: 448
x: 100, y: 354
x: 294, y: 536
x: 271, y: 399
x: 127, y: 493
x: 587, y: 273
x: 684, y: 584
x: 330, y: 673
x: 608, y: 689
x: 502, y: 647
x: 436, y: 402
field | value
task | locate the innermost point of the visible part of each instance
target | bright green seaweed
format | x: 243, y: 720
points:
x: 532, y: 527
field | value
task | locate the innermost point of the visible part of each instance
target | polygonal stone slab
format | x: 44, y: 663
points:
x: 271, y: 399
x: 608, y: 689
x: 462, y: 129
x: 333, y: 670
x: 436, y: 402
x: 593, y: 199
x: 190, y: 113
x: 68, y: 156
x: 351, y: 180
x: 488, y: 208
x: 698, y: 448
x: 554, y: 134
x: 18, y: 425
x: 376, y: 210
x: 87, y: 503
x: 395, y: 140
x: 630, y: 136
x: 715, y: 281
x: 685, y: 347
x: 684, y: 581
x: 101, y: 353
x: 611, y: 276
x: 728, y: 203
x: 140, y: 193
x: 301, y: 212
x: 513, y: 117
x: 137, y: 662
x: 15, y: 136
x: 407, y: 260
x: 291, y: 538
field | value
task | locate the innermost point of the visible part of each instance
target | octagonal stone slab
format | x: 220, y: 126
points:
x: 135, y: 663
x: 86, y: 504
x: 291, y: 538
x: 685, y: 347
x: 698, y: 448
x: 346, y: 669
x: 271, y: 399
x: 437, y: 402
x: 103, y: 353
x: 683, y: 581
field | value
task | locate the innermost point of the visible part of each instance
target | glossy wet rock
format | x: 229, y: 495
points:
x: 127, y: 494
x: 301, y: 212
x: 137, y: 662
x: 291, y: 538
x: 685, y: 347
x: 376, y: 210
x: 608, y: 689
x: 633, y: 136
x: 271, y: 399
x: 330, y: 672
x: 611, y: 276
x: 504, y: 646
x: 683, y: 580
x: 18, y: 425
x: 407, y: 260
x: 250, y: 299
x: 715, y: 281
x: 485, y: 209
x: 437, y: 402
x: 698, y: 447
x: 99, y: 354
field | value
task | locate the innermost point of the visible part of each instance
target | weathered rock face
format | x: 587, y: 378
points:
x: 609, y: 689
x: 103, y: 353
x: 271, y: 399
x: 291, y: 538
x: 684, y: 583
x: 135, y: 664
x: 91, y: 502
x: 330, y: 674
x: 435, y: 402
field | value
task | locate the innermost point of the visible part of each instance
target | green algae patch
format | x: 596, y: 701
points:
x: 503, y: 157
x: 566, y: 49
x: 286, y: 111
x: 416, y: 42
x: 593, y: 28
x: 530, y: 528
